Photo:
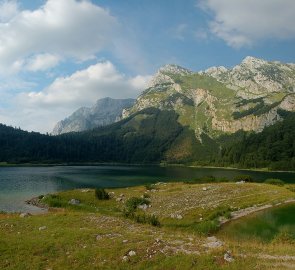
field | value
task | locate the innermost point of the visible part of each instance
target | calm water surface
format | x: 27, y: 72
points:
x: 267, y: 225
x: 18, y: 184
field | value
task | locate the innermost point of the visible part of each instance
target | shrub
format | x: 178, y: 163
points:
x: 142, y: 218
x: 221, y: 211
x: 206, y: 227
x: 54, y: 201
x: 154, y: 221
x: 132, y: 203
x: 150, y: 186
x: 246, y: 178
x: 101, y: 194
x: 273, y: 181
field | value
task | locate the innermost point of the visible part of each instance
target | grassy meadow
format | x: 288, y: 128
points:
x: 122, y: 233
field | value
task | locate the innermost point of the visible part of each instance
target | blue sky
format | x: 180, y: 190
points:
x: 58, y: 55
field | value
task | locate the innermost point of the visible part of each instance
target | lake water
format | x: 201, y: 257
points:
x: 272, y: 224
x: 18, y: 184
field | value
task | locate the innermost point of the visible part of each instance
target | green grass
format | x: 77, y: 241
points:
x: 96, y: 235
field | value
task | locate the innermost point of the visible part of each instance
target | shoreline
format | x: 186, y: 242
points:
x: 266, y: 170
x: 239, y: 214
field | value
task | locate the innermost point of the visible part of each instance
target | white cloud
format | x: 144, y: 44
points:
x: 42, y: 62
x: 244, y: 22
x: 8, y: 9
x: 41, y: 110
x: 71, y: 28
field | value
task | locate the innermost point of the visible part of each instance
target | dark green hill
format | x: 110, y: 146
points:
x: 152, y: 136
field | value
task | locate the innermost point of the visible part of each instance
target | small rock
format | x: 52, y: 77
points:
x: 111, y: 194
x: 213, y: 242
x: 85, y: 190
x: 98, y: 237
x: 125, y: 259
x: 24, y: 215
x: 240, y: 182
x: 131, y: 253
x: 125, y: 241
x: 143, y: 206
x: 179, y: 217
x: 228, y: 257
x: 204, y: 189
x: 74, y: 202
x: 42, y: 228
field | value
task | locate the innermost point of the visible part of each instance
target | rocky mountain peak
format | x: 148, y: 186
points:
x: 104, y: 112
x: 174, y: 69
x: 252, y: 62
x: 163, y: 75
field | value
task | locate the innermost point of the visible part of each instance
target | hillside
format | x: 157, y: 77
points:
x: 97, y: 234
x: 219, y: 100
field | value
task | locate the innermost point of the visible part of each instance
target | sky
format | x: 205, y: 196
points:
x: 59, y: 55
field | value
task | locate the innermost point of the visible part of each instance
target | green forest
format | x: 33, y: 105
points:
x: 154, y: 136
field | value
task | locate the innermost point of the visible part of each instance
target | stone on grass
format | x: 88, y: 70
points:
x: 213, y: 242
x: 74, y: 202
x: 24, y: 215
x: 125, y: 259
x: 42, y: 228
x: 143, y: 206
x: 228, y: 257
x: 131, y: 253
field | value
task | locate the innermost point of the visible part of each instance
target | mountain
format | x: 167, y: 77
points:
x: 104, y: 112
x: 247, y: 97
x: 242, y: 117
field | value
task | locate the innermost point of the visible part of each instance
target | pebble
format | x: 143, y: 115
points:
x: 74, y: 202
x: 228, y: 257
x: 125, y: 259
x: 42, y: 228
x: 24, y: 215
x: 131, y: 253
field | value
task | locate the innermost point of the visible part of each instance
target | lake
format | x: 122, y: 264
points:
x: 18, y: 184
x: 272, y: 224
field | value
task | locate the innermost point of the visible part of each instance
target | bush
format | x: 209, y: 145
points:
x: 150, y: 186
x: 101, y: 194
x: 207, y: 227
x: 132, y: 203
x: 273, y: 181
x: 221, y: 211
x: 54, y: 200
x: 130, y: 211
x: 246, y: 178
x: 153, y: 220
x: 142, y: 218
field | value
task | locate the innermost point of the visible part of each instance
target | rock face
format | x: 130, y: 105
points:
x: 105, y: 111
x: 249, y: 97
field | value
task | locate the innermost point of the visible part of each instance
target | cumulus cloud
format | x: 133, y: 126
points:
x: 8, y: 9
x: 42, y: 62
x: 245, y: 22
x: 74, y: 29
x: 41, y: 110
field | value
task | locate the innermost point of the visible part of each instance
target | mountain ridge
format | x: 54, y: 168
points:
x: 247, y: 96
x: 104, y: 112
